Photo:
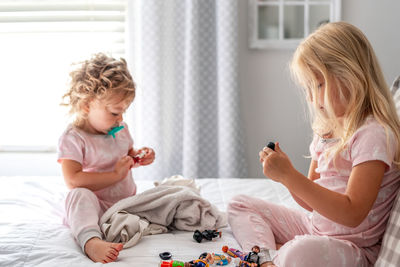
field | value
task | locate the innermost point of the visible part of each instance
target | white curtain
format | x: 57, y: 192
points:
x: 184, y: 58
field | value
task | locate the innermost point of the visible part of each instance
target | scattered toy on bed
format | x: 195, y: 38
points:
x: 250, y: 259
x: 175, y: 264
x: 220, y: 259
x: 206, y: 234
x: 165, y: 255
x: 204, y: 260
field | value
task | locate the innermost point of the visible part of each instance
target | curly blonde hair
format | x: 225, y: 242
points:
x: 100, y: 77
x: 341, y: 54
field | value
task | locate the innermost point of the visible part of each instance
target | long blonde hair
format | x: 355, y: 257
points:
x: 99, y: 77
x: 341, y: 54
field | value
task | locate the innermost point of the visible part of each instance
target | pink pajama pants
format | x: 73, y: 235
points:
x: 257, y: 222
x: 83, y: 211
x: 84, y: 208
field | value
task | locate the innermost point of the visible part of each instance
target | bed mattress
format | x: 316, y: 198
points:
x: 32, y: 232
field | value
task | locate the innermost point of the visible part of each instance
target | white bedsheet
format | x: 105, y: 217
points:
x: 32, y: 233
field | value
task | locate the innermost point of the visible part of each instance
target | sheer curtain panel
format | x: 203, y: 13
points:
x: 184, y: 57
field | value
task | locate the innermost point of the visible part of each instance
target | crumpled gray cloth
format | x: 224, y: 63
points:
x: 128, y: 229
x: 156, y: 210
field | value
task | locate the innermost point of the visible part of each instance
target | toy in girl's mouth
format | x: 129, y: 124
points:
x: 114, y: 130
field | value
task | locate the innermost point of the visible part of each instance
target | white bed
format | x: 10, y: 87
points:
x: 32, y: 233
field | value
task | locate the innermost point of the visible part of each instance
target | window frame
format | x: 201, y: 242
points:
x: 253, y: 17
x: 14, y: 17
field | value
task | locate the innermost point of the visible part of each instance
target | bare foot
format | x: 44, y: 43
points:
x: 101, y: 251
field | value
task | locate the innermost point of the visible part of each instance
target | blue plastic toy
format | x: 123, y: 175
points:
x: 114, y: 130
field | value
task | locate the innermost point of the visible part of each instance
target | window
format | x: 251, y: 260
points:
x: 39, y: 41
x: 283, y: 23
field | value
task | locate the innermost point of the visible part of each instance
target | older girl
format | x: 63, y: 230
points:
x: 355, y: 156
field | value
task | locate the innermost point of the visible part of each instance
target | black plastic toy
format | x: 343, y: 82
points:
x: 271, y: 145
x: 165, y: 255
x: 207, y: 234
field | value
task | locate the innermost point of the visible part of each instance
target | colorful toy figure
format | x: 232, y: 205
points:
x: 204, y: 260
x: 235, y: 253
x: 139, y: 156
x: 206, y: 234
x: 174, y: 264
x: 220, y: 259
x: 250, y: 259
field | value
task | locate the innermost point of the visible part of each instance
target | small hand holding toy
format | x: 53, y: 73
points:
x: 276, y: 164
x: 144, y: 156
x: 114, y: 130
x: 270, y: 145
x: 139, y: 156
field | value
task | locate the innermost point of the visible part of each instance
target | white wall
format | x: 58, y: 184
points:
x: 270, y: 102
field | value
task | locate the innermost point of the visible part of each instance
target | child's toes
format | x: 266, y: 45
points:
x: 114, y: 252
x: 117, y: 246
x: 109, y: 259
x: 112, y: 256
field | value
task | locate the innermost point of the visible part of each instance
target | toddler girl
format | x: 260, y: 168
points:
x: 354, y: 172
x: 96, y: 151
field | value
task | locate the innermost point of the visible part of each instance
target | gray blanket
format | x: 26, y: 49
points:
x: 157, y: 210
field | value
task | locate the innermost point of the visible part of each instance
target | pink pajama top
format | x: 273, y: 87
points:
x: 368, y: 143
x: 99, y: 153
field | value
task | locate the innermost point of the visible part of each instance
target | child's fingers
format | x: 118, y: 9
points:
x: 262, y: 155
x: 125, y: 158
x: 267, y: 150
x: 277, y: 147
x: 145, y: 161
x: 127, y: 161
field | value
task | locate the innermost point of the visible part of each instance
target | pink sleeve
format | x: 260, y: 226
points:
x: 370, y: 143
x: 313, y: 145
x: 70, y: 146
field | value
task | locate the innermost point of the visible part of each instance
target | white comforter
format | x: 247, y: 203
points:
x: 32, y: 233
